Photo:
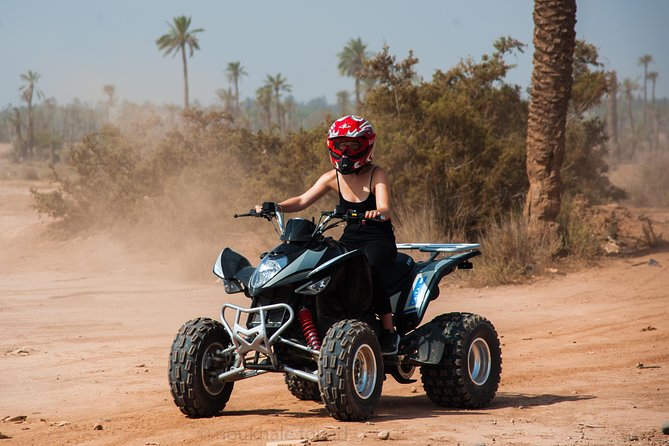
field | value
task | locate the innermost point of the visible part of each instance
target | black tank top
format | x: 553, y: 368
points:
x: 368, y: 204
x: 371, y: 230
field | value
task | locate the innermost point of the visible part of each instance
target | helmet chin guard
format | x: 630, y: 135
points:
x: 347, y: 166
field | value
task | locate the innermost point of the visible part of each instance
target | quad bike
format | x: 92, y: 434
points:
x: 310, y: 318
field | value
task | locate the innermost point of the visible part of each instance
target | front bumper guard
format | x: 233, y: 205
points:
x: 254, y: 349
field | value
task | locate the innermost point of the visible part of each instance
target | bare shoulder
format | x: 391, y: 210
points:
x: 329, y: 179
x: 379, y: 175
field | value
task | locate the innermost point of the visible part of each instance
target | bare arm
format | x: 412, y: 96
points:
x: 381, y: 191
x: 320, y: 188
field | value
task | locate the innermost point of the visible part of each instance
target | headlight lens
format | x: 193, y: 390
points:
x: 266, y: 270
x: 314, y: 288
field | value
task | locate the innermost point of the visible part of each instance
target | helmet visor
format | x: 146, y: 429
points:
x: 352, y: 148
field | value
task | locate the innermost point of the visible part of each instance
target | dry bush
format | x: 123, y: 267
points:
x: 417, y: 225
x: 511, y: 255
x: 581, y: 238
x: 173, y: 197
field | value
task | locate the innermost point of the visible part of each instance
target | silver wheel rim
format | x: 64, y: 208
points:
x: 209, y: 369
x: 479, y: 361
x: 364, y: 371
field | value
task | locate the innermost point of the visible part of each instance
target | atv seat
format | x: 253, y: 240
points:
x: 396, y: 276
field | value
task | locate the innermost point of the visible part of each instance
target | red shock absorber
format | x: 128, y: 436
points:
x: 309, y: 328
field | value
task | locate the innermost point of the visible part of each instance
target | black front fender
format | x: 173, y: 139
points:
x: 234, y: 269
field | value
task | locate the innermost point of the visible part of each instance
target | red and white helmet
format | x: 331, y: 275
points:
x: 345, y: 155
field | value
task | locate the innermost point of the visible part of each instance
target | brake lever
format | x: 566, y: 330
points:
x: 253, y: 213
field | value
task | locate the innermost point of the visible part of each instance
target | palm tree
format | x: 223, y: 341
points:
x: 612, y: 111
x: 235, y: 72
x: 28, y: 93
x: 110, y: 91
x: 629, y: 87
x: 352, y: 63
x: 264, y: 101
x: 19, y: 146
x: 652, y: 76
x: 176, y: 40
x: 343, y: 100
x: 278, y: 84
x: 289, y: 108
x: 228, y: 99
x: 50, y: 105
x: 645, y: 60
x: 554, y: 43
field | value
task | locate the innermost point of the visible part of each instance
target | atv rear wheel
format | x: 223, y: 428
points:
x: 350, y: 371
x: 302, y: 389
x: 469, y: 371
x: 196, y: 361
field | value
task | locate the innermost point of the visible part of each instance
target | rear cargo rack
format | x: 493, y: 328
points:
x: 440, y: 247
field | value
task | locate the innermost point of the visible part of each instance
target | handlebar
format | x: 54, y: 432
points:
x: 270, y: 210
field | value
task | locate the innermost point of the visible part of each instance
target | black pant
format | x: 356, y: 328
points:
x: 381, y: 254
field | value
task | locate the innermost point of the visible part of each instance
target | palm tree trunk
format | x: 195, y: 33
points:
x: 31, y: 130
x: 645, y: 98
x: 185, y: 63
x: 554, y: 42
x: 630, y: 117
x: 654, y: 118
x: 357, y: 92
x: 237, y: 93
x: 19, y: 136
x: 278, y: 108
x: 612, y: 115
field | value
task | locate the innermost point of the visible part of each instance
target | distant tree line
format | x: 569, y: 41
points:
x: 39, y: 127
x: 465, y: 148
x: 455, y: 144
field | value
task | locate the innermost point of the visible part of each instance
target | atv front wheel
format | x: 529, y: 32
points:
x: 195, y: 363
x: 302, y: 389
x: 469, y: 371
x: 350, y: 371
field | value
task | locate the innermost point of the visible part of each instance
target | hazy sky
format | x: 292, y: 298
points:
x: 77, y: 46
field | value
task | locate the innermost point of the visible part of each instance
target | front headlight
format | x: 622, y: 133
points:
x: 265, y: 271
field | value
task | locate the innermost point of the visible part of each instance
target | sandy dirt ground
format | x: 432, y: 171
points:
x: 86, y: 327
